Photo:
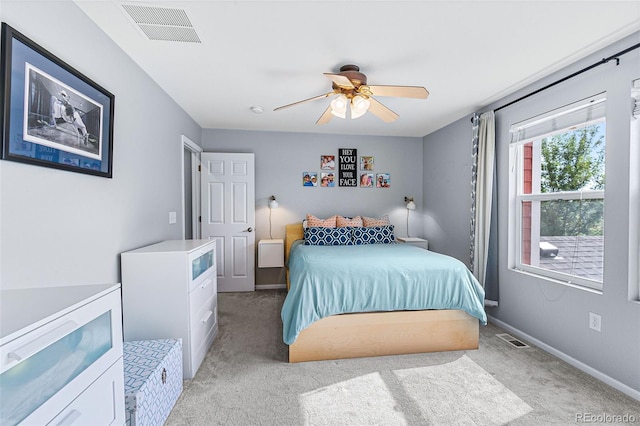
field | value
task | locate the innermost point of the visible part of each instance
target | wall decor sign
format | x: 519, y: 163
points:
x: 347, y: 167
x: 51, y: 114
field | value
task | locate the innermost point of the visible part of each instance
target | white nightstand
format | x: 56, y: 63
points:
x: 418, y: 242
x: 271, y: 253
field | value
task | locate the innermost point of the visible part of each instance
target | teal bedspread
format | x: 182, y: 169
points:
x: 330, y: 280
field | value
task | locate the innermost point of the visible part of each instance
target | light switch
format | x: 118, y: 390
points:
x: 173, y: 217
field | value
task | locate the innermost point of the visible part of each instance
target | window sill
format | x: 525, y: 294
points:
x: 556, y: 281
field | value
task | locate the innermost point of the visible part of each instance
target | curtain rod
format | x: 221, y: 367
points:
x: 615, y: 57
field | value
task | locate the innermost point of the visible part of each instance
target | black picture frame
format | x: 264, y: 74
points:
x: 52, y: 115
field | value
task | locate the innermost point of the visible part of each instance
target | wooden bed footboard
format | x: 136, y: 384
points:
x: 386, y: 333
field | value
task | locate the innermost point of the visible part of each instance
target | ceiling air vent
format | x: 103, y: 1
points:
x: 162, y: 23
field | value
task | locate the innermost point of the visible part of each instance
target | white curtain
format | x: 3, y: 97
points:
x: 482, y: 210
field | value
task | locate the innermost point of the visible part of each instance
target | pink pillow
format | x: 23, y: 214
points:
x: 370, y: 221
x: 342, y: 222
x: 314, y: 222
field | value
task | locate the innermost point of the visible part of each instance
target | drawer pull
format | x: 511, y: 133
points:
x: 70, y: 418
x: 39, y: 343
x: 206, y: 317
x: 205, y: 283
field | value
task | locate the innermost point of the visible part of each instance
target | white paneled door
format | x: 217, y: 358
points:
x: 228, y: 216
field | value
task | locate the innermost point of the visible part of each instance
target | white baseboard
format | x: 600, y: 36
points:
x: 270, y: 286
x: 568, y: 359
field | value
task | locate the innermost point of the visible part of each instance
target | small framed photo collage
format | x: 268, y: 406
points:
x: 347, y: 170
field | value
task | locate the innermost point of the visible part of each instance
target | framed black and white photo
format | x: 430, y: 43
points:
x: 52, y: 115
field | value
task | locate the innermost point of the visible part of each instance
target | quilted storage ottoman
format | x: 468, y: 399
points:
x: 152, y: 380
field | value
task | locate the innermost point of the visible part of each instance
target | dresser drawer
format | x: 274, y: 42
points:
x: 203, y: 265
x: 198, y: 355
x: 100, y: 404
x: 203, y: 321
x: 201, y: 294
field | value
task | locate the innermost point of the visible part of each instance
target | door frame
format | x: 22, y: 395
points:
x: 195, y: 149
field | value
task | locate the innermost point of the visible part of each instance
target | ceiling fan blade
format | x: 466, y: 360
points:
x: 400, y: 91
x: 382, y: 112
x: 340, y: 80
x: 306, y: 100
x: 325, y: 117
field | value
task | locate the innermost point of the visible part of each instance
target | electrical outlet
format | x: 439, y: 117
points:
x: 173, y: 217
x: 595, y: 321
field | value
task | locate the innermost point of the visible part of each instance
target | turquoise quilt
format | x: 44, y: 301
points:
x: 330, y: 280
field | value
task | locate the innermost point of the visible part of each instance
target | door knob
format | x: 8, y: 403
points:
x: 249, y: 229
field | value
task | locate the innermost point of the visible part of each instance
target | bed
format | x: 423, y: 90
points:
x: 330, y: 311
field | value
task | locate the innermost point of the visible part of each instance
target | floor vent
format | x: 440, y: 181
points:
x: 512, y: 340
x: 162, y: 23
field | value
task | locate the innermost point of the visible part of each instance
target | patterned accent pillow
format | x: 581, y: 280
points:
x: 381, y: 221
x: 374, y: 235
x: 314, y: 222
x: 323, y: 236
x: 346, y: 221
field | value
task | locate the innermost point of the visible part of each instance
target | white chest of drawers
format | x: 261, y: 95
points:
x: 169, y: 291
x: 61, y: 356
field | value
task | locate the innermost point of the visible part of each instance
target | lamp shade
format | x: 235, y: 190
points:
x: 273, y: 204
x: 411, y: 205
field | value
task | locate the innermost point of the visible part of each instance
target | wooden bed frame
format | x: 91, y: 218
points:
x: 380, y: 333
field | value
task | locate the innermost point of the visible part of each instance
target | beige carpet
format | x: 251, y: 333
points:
x: 245, y: 380
x: 456, y: 392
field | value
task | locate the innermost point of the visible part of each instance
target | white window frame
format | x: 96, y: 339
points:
x: 518, y: 198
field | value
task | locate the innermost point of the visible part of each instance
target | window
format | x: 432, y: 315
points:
x: 559, y: 178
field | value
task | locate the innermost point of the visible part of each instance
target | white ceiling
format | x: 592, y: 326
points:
x: 468, y: 54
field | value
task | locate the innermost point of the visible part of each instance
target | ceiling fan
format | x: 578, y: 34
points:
x: 351, y: 90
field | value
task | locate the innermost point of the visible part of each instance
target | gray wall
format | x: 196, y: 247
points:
x: 447, y: 185
x: 64, y: 228
x: 556, y: 315
x: 281, y: 158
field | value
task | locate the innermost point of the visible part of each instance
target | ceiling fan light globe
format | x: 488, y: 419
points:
x: 359, y: 106
x: 339, y: 106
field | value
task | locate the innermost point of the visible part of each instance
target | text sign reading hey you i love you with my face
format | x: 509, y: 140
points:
x: 347, y: 167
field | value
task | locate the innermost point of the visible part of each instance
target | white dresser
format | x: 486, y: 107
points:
x: 61, y: 356
x: 169, y: 291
